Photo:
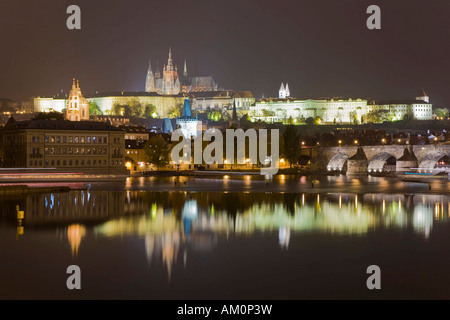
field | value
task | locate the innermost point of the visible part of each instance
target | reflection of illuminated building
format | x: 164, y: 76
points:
x: 74, y: 234
x: 284, y: 235
x: 165, y: 246
x: 73, y: 206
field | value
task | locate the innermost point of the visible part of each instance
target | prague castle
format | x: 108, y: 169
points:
x: 338, y: 110
x: 171, y: 83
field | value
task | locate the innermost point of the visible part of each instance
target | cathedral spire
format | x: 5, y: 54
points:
x: 185, y: 69
x: 169, y: 61
x: 150, y: 65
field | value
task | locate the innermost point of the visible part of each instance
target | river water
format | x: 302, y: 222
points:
x: 241, y: 237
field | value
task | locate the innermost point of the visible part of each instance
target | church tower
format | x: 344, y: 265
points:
x: 287, y: 93
x: 150, y: 80
x: 170, y: 76
x: 282, y: 92
x: 77, y: 108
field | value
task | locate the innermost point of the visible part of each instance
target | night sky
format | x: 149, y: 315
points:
x: 322, y: 48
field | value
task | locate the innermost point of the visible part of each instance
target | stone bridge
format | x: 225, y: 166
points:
x: 379, y: 158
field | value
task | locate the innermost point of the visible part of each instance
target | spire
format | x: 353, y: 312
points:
x: 157, y: 73
x: 73, y: 83
x: 185, y: 69
x: 234, y: 111
x: 282, y: 92
x: 78, y: 84
x: 150, y: 65
x: 169, y: 61
x: 286, y: 90
x: 186, y: 109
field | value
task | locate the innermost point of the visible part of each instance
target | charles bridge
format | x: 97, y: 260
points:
x: 378, y: 158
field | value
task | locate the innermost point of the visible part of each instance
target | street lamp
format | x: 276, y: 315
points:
x: 356, y: 141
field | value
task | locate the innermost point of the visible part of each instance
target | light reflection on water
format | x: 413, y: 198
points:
x: 171, y: 228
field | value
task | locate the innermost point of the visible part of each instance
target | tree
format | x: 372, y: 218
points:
x: 291, y: 144
x: 213, y: 115
x: 290, y: 120
x: 157, y: 151
x: 309, y: 121
x: 317, y: 120
x: 94, y: 108
x: 150, y: 111
x: 136, y: 108
x: 441, y: 113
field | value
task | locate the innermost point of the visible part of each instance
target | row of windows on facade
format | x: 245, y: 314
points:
x: 71, y: 150
x: 69, y: 163
x: 74, y: 139
x: 36, y: 151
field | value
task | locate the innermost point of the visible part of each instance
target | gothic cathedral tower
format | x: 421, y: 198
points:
x: 150, y: 80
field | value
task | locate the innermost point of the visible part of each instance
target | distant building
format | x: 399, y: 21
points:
x: 284, y: 92
x: 171, y: 83
x: 218, y: 100
x: 190, y: 126
x: 337, y: 110
x: 64, y: 145
x: 77, y: 107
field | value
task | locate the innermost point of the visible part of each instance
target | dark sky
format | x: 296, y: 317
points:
x: 320, y: 47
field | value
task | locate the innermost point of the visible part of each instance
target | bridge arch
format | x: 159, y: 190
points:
x: 382, y: 162
x: 338, y: 162
x: 430, y: 160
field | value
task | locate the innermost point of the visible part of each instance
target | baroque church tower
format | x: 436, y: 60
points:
x: 77, y: 108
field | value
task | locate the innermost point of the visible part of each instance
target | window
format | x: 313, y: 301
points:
x: 64, y: 163
x: 70, y: 139
x: 82, y: 151
x: 88, y: 150
x: 58, y: 150
x: 82, y: 162
x: 70, y: 150
x: 75, y: 140
x: 76, y: 162
x: 58, y: 162
x: 95, y: 162
x: 46, y: 139
x: 64, y: 150
x: 94, y: 139
x: 52, y: 150
x: 81, y: 139
x: 58, y: 139
x: 94, y: 150
x: 76, y: 151
x: 70, y: 162
x: 88, y: 139
x: 52, y: 139
x: 53, y: 162
x: 64, y: 139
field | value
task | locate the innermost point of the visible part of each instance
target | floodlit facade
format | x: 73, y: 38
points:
x: 338, y: 110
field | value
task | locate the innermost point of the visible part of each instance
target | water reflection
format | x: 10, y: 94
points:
x: 172, y: 224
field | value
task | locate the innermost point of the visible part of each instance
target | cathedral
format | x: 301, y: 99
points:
x: 171, y: 83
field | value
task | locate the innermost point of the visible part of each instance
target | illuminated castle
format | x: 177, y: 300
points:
x: 171, y: 83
